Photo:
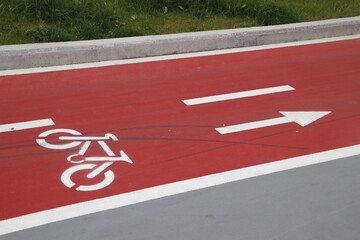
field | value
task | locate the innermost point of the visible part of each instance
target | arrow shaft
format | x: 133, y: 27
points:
x: 252, y: 125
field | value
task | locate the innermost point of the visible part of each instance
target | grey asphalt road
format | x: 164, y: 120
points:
x: 318, y: 202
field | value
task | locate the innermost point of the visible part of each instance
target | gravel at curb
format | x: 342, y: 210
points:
x: 52, y: 54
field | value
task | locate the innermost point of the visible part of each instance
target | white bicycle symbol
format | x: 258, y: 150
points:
x: 75, y: 140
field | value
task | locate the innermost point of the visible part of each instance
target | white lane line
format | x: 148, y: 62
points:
x: 173, y: 57
x: 237, y: 95
x: 116, y: 201
x: 26, y: 125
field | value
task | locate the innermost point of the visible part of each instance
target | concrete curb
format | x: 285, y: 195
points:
x: 52, y: 54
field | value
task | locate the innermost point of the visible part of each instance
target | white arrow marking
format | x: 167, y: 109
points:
x: 301, y: 118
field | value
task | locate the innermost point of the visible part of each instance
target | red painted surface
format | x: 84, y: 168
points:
x: 167, y: 140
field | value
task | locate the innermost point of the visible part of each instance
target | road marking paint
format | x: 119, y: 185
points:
x: 236, y: 95
x: 66, y: 178
x: 116, y: 201
x: 26, y: 125
x: 301, y: 118
x: 172, y: 57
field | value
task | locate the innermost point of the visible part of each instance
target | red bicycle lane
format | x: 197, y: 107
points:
x: 168, y: 141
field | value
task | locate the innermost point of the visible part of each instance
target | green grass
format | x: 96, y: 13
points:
x: 265, y: 12
x: 29, y: 21
x: 311, y: 10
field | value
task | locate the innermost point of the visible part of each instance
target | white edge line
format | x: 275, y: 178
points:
x: 237, y: 95
x: 116, y: 201
x: 172, y: 57
x: 26, y: 125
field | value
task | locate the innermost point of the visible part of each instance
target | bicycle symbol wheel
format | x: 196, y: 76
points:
x: 66, y: 178
x: 42, y: 142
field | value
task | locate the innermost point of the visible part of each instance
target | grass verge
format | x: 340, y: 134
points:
x: 28, y: 21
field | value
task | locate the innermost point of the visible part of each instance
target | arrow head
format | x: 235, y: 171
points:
x: 304, y: 118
